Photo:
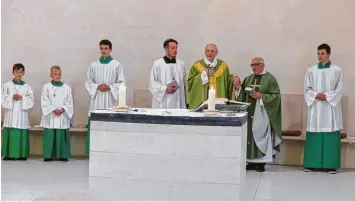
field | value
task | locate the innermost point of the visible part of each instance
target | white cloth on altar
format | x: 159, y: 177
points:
x: 16, y: 111
x: 163, y: 74
x: 56, y: 97
x: 110, y: 74
x: 324, y: 116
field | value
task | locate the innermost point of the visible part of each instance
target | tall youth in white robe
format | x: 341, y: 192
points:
x: 110, y: 74
x: 324, y: 116
x: 163, y: 74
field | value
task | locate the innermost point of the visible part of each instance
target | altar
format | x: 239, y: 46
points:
x: 155, y: 154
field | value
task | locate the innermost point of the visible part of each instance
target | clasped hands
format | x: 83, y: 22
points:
x: 321, y: 97
x: 103, y: 87
x: 17, y: 97
x: 58, y: 112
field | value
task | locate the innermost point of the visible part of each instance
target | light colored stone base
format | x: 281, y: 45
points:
x: 167, y: 162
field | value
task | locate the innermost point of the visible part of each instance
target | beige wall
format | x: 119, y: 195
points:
x: 40, y: 33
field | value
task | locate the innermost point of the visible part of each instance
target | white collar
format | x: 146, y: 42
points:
x: 211, y: 64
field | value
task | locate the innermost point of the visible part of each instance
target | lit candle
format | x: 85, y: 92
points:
x: 211, y: 99
x: 122, y: 96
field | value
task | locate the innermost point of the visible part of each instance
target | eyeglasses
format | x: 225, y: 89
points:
x: 255, y: 64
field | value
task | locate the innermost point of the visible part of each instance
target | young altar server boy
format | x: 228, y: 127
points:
x: 16, y: 99
x: 57, y: 111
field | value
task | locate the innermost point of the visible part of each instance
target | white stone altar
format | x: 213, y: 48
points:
x: 155, y: 155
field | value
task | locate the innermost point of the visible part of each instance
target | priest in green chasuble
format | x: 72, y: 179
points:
x: 323, y: 92
x: 57, y: 111
x: 261, y: 90
x: 207, y: 73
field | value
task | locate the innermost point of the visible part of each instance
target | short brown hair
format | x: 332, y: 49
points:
x: 166, y: 42
x: 324, y: 46
x: 18, y: 66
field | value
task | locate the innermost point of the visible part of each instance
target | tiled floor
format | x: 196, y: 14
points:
x: 38, y: 181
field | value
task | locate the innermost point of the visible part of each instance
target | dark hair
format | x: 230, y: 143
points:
x: 166, y: 42
x: 324, y: 46
x: 106, y: 42
x: 18, y: 66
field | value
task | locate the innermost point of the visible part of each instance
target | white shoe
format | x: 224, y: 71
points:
x: 332, y: 171
x: 307, y: 170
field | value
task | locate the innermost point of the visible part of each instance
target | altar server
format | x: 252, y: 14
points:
x: 57, y: 111
x: 168, y: 79
x: 16, y: 99
x: 104, y: 77
x: 323, y: 87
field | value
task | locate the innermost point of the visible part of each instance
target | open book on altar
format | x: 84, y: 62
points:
x: 224, y: 105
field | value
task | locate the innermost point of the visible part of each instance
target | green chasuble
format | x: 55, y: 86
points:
x: 268, y: 87
x: 56, y: 143
x: 15, y: 143
x: 322, y: 150
x: 221, y: 82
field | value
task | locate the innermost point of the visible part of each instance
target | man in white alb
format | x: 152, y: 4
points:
x: 323, y: 88
x: 168, y: 79
x: 104, y: 77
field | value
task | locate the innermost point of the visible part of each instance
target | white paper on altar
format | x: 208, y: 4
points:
x: 164, y: 112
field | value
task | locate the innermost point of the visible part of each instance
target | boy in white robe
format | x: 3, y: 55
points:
x: 16, y: 99
x: 168, y: 79
x: 323, y: 92
x: 104, y: 77
x: 57, y: 111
